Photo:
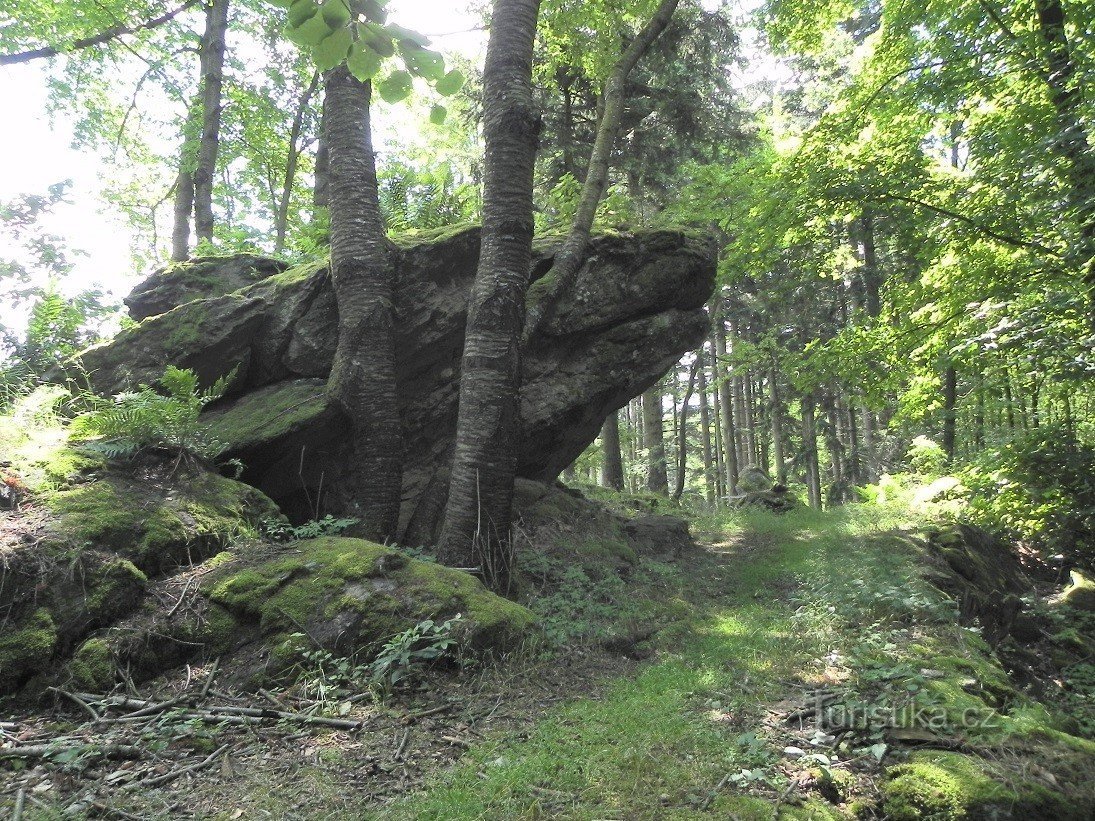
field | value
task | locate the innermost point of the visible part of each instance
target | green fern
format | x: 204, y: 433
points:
x: 166, y: 419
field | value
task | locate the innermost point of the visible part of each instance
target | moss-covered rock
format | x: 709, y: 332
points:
x: 350, y: 595
x: 1080, y: 593
x: 92, y: 666
x: 24, y: 645
x: 950, y: 786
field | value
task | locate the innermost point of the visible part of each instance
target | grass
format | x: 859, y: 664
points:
x: 657, y: 745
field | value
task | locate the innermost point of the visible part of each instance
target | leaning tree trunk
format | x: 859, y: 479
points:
x: 657, y: 473
x: 612, y: 470
x: 477, y: 515
x: 569, y: 258
x: 212, y: 67
x: 363, y: 380
x: 291, y: 162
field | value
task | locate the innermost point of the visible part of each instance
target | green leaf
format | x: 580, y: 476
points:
x: 310, y: 33
x: 422, y: 62
x: 395, y: 87
x: 450, y: 83
x: 375, y: 11
x: 336, y: 13
x: 438, y: 114
x: 301, y: 11
x: 363, y: 62
x: 376, y: 38
x: 332, y: 51
x: 400, y: 33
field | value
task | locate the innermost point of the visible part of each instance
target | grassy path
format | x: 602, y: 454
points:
x: 681, y: 739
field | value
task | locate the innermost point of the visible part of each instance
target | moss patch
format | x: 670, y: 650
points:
x: 92, y: 666
x: 350, y: 595
x: 950, y: 786
x: 266, y: 415
x: 27, y: 648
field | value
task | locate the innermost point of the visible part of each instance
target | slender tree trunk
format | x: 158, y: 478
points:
x: 478, y: 514
x: 777, y: 426
x: 950, y: 401
x: 212, y: 63
x: 291, y: 163
x: 612, y: 473
x: 363, y: 380
x: 657, y: 476
x: 682, y: 434
x: 184, y: 207
x: 705, y: 426
x: 729, y: 427
x: 716, y: 419
x: 836, y: 450
x: 568, y: 259
x: 809, y: 441
x: 750, y: 419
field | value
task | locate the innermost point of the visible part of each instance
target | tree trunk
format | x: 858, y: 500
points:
x: 950, y: 401
x: 657, y: 472
x: 809, y: 441
x: 569, y: 257
x: 291, y: 163
x: 184, y: 207
x: 1071, y: 140
x: 705, y: 426
x: 212, y: 67
x: 729, y: 427
x: 478, y: 513
x: 777, y: 427
x: 612, y: 471
x: 682, y: 434
x: 363, y: 378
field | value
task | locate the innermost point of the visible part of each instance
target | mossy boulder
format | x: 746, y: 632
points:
x: 638, y: 304
x: 949, y: 786
x: 350, y: 595
x: 23, y: 645
x: 100, y: 531
x: 1080, y: 594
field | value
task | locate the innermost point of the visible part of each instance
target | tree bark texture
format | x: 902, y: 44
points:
x: 657, y: 473
x: 612, y: 470
x: 212, y: 69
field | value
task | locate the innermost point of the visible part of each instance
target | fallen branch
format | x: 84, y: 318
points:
x: 72, y: 697
x: 112, y: 751
x: 171, y: 776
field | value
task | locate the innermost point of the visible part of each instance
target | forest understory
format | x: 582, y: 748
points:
x: 700, y: 684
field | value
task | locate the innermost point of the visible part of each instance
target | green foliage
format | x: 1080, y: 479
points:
x: 154, y: 419
x: 279, y: 530
x: 406, y: 654
x: 1038, y: 489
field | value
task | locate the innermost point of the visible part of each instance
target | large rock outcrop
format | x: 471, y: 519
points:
x: 637, y: 306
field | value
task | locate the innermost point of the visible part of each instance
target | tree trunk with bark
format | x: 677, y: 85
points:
x: 729, y: 426
x: 363, y: 380
x: 657, y: 472
x: 212, y: 68
x: 705, y: 426
x: 950, y: 401
x: 682, y: 434
x: 612, y: 470
x: 477, y: 516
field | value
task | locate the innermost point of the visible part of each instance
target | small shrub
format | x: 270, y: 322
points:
x: 154, y: 419
x: 406, y: 654
x: 281, y: 531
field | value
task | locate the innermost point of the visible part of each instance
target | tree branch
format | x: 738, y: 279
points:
x: 96, y: 40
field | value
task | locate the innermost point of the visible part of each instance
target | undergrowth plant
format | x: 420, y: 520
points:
x: 150, y: 419
x: 405, y: 655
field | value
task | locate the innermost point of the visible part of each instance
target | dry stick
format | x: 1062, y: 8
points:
x: 718, y: 788
x: 237, y: 715
x: 72, y: 697
x: 182, y: 598
x: 444, y: 708
x: 402, y: 745
x: 209, y: 681
x: 171, y: 776
x: 20, y: 800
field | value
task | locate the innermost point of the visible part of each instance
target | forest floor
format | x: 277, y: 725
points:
x: 771, y: 619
